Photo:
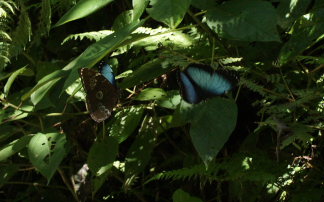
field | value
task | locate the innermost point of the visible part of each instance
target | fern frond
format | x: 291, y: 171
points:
x: 21, y: 35
x: 7, y: 8
x: 44, y: 25
x: 252, y: 86
x: 88, y: 35
x: 181, y: 174
x: 7, y: 5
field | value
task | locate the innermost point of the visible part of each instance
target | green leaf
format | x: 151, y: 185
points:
x: 97, y: 51
x: 212, y: 123
x: 146, y: 72
x: 16, y: 114
x: 102, y: 155
x: 170, y: 12
x: 82, y: 9
x: 246, y: 20
x: 123, y: 19
x: 125, y: 122
x: 151, y: 94
x: 138, y: 8
x: 171, y: 100
x: 13, y: 147
x: 22, y: 71
x: 42, y: 91
x: 140, y: 151
x: 47, y: 80
x: 46, y: 151
x: 305, y: 34
x: 180, y: 196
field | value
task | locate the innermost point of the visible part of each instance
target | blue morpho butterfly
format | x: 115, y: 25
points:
x: 199, y: 82
x: 101, y: 91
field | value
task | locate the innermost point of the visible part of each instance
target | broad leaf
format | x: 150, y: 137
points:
x: 212, y: 123
x: 146, y: 72
x: 22, y: 71
x: 138, y: 8
x: 102, y: 155
x: 151, y: 94
x: 170, y: 12
x: 46, y: 151
x: 171, y: 100
x: 82, y: 9
x: 246, y: 20
x: 13, y: 147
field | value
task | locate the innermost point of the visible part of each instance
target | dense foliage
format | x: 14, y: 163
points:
x: 262, y: 141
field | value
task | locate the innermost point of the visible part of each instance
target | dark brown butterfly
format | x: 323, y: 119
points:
x: 101, y: 94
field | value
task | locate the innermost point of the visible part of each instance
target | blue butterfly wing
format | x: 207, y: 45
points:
x: 107, y: 72
x: 213, y: 83
x: 188, y: 89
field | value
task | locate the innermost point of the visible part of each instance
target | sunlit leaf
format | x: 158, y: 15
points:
x: 82, y: 9
x: 46, y: 151
x: 170, y: 12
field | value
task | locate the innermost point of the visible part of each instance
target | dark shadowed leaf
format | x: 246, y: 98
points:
x: 246, y: 20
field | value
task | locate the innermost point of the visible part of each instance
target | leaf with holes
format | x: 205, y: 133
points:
x: 46, y: 151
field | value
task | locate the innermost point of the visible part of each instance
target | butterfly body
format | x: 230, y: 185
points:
x: 101, y: 95
x: 199, y: 82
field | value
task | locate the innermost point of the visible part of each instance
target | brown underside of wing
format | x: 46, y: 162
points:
x: 100, y: 109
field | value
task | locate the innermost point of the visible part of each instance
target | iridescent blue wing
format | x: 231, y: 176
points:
x: 212, y: 82
x: 188, y: 90
x: 108, y: 73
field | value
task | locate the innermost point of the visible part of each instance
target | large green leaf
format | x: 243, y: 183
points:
x: 82, y: 9
x: 212, y: 123
x: 13, y: 147
x: 304, y: 34
x: 171, y: 100
x: 22, y: 71
x: 46, y: 151
x: 146, y: 72
x: 42, y: 91
x: 102, y: 155
x: 48, y: 80
x: 138, y: 8
x: 151, y: 94
x: 125, y: 122
x: 170, y: 12
x: 246, y: 20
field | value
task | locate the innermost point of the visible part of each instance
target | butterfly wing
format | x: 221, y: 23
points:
x: 108, y: 73
x: 212, y: 82
x: 101, y: 95
x: 188, y: 90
